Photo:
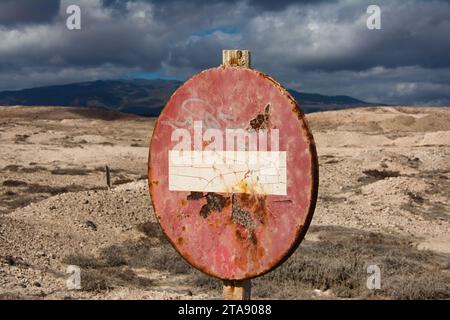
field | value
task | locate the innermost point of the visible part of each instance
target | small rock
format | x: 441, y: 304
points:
x: 36, y: 284
x: 10, y: 260
x: 40, y: 254
x: 91, y: 225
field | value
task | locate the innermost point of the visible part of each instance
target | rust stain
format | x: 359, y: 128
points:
x: 235, y: 61
x: 241, y: 216
x: 280, y: 201
x: 253, y: 239
x: 195, y: 195
x: 239, y: 234
x: 261, y: 121
x: 214, y: 202
x: 260, y: 252
x: 256, y: 203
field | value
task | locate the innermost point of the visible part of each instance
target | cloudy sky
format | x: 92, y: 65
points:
x: 311, y: 46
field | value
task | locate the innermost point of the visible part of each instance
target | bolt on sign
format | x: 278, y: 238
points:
x: 233, y: 171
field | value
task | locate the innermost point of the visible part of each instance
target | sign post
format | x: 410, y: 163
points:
x: 233, y: 173
x: 237, y: 290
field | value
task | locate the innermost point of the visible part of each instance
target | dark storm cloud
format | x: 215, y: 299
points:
x: 259, y: 4
x: 412, y: 34
x: 17, y: 12
x: 321, y: 46
x: 327, y: 38
x: 334, y: 36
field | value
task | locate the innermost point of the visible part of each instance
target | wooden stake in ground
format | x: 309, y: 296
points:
x: 236, y: 290
x: 108, y: 177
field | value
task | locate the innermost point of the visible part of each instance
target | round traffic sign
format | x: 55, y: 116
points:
x: 233, y: 172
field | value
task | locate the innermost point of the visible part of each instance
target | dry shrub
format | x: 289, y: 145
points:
x: 14, y: 183
x: 151, y: 230
x: 338, y: 262
x: 417, y: 287
x: 70, y: 172
x: 113, y: 256
x: 106, y: 272
x: 94, y: 280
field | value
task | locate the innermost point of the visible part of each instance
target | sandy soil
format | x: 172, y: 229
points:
x: 383, y: 171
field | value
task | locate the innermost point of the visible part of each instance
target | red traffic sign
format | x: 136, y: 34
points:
x: 233, y: 172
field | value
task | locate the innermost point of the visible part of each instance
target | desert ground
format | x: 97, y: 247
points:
x: 384, y: 199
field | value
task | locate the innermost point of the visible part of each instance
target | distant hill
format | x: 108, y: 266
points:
x: 314, y: 102
x: 140, y: 97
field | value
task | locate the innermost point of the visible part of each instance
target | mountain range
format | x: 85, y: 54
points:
x: 141, y: 96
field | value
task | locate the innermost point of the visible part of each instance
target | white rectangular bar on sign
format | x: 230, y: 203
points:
x: 258, y: 172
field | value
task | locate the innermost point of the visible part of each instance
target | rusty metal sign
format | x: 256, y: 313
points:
x: 233, y: 172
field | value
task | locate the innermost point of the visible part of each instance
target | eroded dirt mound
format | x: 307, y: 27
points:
x: 383, y: 119
x: 62, y: 113
x: 111, y: 235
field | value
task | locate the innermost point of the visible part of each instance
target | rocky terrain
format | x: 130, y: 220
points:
x: 384, y: 199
